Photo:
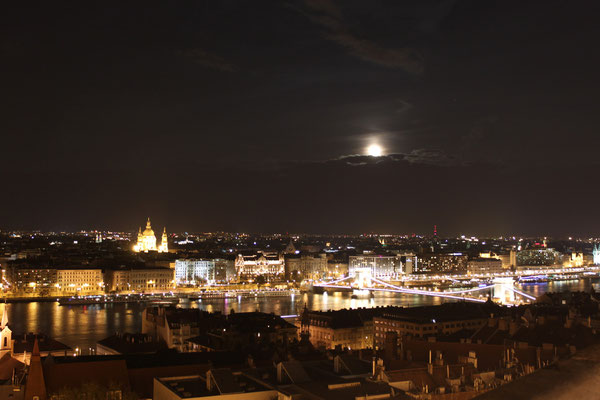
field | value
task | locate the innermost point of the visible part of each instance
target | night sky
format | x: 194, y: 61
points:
x: 256, y: 115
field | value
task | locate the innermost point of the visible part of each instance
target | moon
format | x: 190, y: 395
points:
x: 375, y: 150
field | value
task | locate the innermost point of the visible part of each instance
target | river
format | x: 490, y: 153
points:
x: 83, y: 326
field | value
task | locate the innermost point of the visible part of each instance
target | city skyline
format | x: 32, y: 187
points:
x: 298, y: 235
x: 332, y: 117
x: 298, y: 199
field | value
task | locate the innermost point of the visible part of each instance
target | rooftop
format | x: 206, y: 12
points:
x: 127, y: 343
x: 216, y: 382
x: 24, y: 343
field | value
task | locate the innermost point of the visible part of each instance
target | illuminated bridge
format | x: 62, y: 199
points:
x: 502, y: 290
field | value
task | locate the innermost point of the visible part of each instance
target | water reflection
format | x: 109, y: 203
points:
x: 83, y: 326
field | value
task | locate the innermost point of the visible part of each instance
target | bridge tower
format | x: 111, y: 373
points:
x: 362, y: 277
x: 503, y: 290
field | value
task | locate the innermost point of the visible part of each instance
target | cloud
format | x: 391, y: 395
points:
x: 329, y: 16
x: 206, y: 59
x: 433, y: 157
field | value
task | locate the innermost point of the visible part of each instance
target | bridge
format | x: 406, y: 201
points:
x: 502, y: 289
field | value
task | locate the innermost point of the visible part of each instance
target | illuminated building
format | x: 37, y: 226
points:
x: 576, y: 260
x: 537, y: 257
x: 270, y: 265
x: 224, y: 270
x: 199, y: 271
x: 80, y: 281
x: 194, y: 271
x: 484, y: 266
x: 140, y: 280
x: 164, y: 242
x: 32, y: 280
x: 442, y: 263
x: 337, y: 268
x: 385, y: 267
x: 596, y: 254
x: 513, y: 258
x: 146, y: 241
x: 306, y: 265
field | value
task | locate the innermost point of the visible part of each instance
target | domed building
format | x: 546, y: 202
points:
x: 146, y: 240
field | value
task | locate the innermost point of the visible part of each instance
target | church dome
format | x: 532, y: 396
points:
x: 148, y: 231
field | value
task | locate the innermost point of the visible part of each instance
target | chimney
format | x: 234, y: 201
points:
x: 430, y: 365
x: 439, y: 358
x: 209, y: 381
x: 336, y: 364
x: 513, y: 327
x: 503, y: 324
x: 280, y: 372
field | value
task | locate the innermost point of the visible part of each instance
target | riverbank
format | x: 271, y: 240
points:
x: 83, y: 326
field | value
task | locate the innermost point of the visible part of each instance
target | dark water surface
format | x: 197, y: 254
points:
x: 82, y: 326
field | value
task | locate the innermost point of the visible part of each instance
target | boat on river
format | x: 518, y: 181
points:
x: 152, y: 299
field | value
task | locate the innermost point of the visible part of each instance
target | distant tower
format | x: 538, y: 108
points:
x: 435, y: 231
x: 596, y: 254
x: 576, y: 259
x: 290, y: 248
x: 164, y: 242
x: 513, y: 258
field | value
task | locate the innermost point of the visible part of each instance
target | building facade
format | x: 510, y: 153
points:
x: 268, y: 265
x: 32, y: 280
x: 225, y: 270
x: 80, y: 281
x: 420, y: 322
x: 537, y: 257
x: 479, y: 266
x: 140, y: 280
x: 195, y: 271
x: 444, y: 263
x: 384, y: 267
x: 352, y: 329
x: 306, y: 266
